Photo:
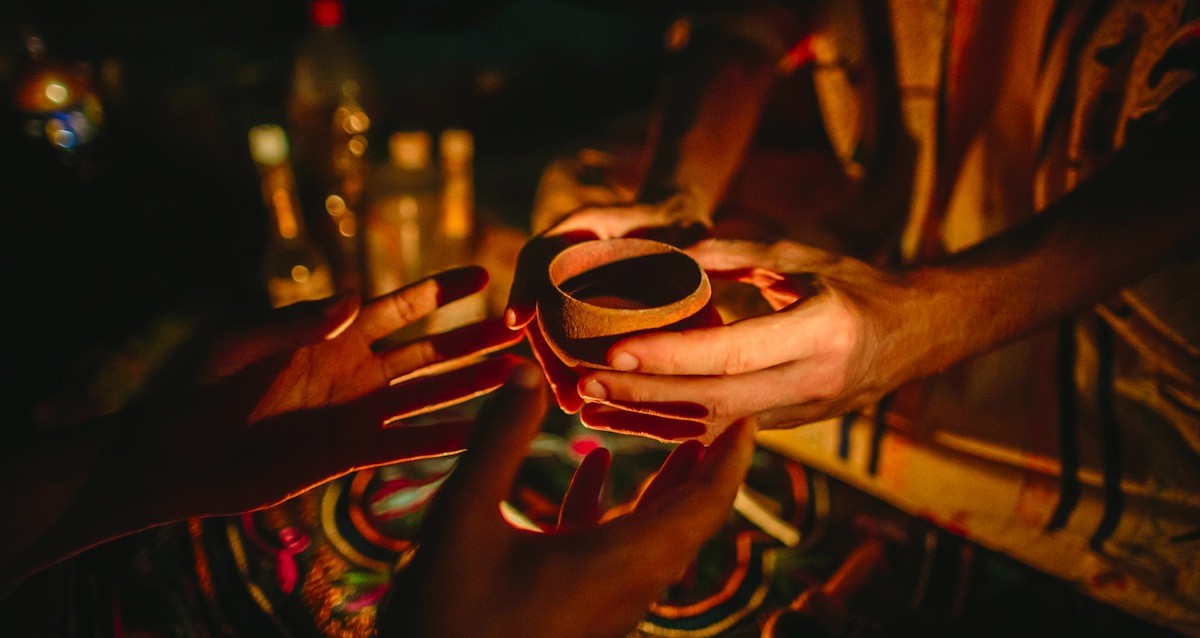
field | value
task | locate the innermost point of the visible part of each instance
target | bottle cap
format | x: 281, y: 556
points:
x: 326, y: 13
x: 268, y: 144
x: 410, y: 149
x: 456, y: 146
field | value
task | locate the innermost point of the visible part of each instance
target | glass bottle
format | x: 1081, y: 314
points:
x: 327, y: 64
x: 293, y: 266
x: 455, y: 238
x: 343, y: 194
x: 401, y: 215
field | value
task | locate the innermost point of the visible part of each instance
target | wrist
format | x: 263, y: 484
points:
x: 121, y: 492
x: 942, y: 308
x: 76, y: 502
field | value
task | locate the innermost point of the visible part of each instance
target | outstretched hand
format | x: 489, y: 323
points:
x: 304, y: 397
x: 838, y: 340
x: 475, y: 575
x: 307, y: 395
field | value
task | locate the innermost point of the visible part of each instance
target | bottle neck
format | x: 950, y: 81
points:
x: 282, y: 203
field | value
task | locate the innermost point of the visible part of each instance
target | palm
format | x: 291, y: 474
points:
x: 324, y: 374
x: 333, y: 371
x: 305, y: 397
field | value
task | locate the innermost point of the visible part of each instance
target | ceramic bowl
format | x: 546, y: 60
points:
x: 605, y: 290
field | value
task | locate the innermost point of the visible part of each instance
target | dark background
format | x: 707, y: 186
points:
x: 162, y: 214
x: 162, y: 217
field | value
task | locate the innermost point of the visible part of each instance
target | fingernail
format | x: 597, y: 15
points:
x: 624, y: 361
x: 526, y: 376
x: 510, y: 318
x: 593, y: 389
x: 460, y: 282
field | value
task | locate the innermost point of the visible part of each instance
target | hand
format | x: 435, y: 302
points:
x: 673, y: 222
x: 303, y: 397
x: 844, y: 334
x: 475, y: 575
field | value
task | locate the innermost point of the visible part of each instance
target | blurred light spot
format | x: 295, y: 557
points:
x: 678, y: 34
x: 64, y: 139
x: 356, y: 122
x: 56, y: 92
x: 335, y: 205
x: 357, y: 145
x: 326, y: 13
x: 284, y: 215
x: 583, y: 444
x: 797, y: 56
x: 299, y: 273
x: 35, y: 47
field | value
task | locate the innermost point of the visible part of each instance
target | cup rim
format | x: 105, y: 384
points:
x: 581, y: 319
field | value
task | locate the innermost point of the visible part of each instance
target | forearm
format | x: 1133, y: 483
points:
x: 57, y: 501
x: 1139, y: 214
x: 718, y: 75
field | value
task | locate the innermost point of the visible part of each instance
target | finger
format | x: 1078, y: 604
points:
x: 469, y: 501
x: 283, y: 330
x: 581, y: 504
x: 384, y: 315
x: 674, y: 471
x: 600, y: 417
x: 475, y: 339
x: 608, y: 222
x: 781, y: 257
x: 384, y: 445
x: 427, y: 394
x: 563, y: 379
x: 723, y: 398
x: 531, y: 276
x: 752, y: 344
x: 669, y: 531
x: 705, y: 498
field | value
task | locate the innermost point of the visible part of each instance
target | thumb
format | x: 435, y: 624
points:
x: 283, y: 330
x: 469, y: 501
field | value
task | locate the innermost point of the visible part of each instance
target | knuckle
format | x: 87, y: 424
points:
x: 735, y: 361
x: 721, y: 409
x: 404, y: 308
x: 841, y: 337
x: 426, y: 354
x: 828, y: 383
x: 677, y: 358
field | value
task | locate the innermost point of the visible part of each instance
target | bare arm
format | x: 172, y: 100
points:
x: 717, y: 78
x: 303, y: 397
x: 1135, y: 216
x: 846, y: 333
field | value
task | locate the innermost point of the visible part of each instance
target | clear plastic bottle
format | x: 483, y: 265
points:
x: 294, y: 268
x: 328, y: 66
x: 402, y: 214
x: 343, y: 195
x: 455, y: 238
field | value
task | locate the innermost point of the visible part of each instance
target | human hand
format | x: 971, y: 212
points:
x: 843, y: 334
x: 475, y: 575
x: 302, y: 398
x: 673, y: 221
